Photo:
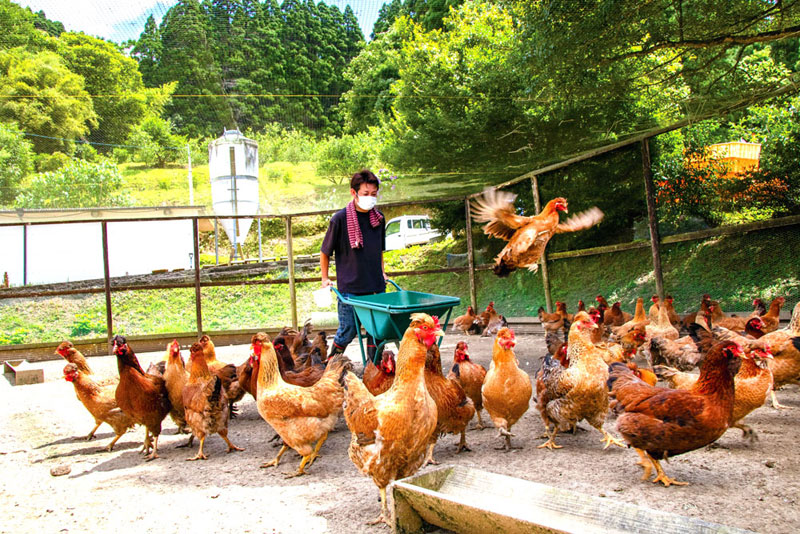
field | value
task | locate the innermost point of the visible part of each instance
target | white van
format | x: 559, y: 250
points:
x: 407, y: 230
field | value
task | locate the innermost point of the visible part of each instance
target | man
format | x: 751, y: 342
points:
x: 356, y: 239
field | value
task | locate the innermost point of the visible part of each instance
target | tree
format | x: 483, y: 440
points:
x: 16, y: 162
x: 79, y: 184
x: 156, y: 143
x: 52, y: 27
x: 147, y: 52
x: 386, y: 17
x: 18, y: 28
x: 112, y: 79
x: 44, y: 98
x: 187, y: 58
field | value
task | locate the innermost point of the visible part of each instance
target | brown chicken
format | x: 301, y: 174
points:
x: 247, y: 373
x: 464, y: 322
x: 471, y: 376
x: 226, y: 371
x: 648, y: 376
x: 684, y: 353
x: 321, y: 342
x: 772, y: 318
x: 753, y: 385
x: 302, y: 416
x: 625, y: 349
x: 390, y: 433
x: 486, y: 315
x: 175, y: 378
x: 720, y: 318
x: 143, y: 397
x: 690, y: 318
x: 379, y: 378
x: 615, y: 316
x: 506, y: 389
x: 652, y: 314
x: 552, y: 322
x: 673, y: 317
x: 306, y: 376
x: 638, y: 319
x: 527, y: 236
x: 68, y: 351
x: 454, y: 409
x: 100, y: 402
x: 785, y: 347
x: 204, y: 402
x: 659, y: 423
x: 577, y: 392
x: 662, y: 327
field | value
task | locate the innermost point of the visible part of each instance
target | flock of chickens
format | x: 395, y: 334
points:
x: 399, y: 407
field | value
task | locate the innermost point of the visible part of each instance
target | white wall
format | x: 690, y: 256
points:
x: 70, y: 252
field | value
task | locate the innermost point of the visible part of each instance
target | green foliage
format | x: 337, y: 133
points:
x: 156, y: 143
x: 86, y: 152
x: 51, y: 162
x: 340, y: 157
x: 79, y: 184
x: 86, y: 324
x: 18, y: 27
x: 106, y: 72
x: 16, y: 162
x: 44, y: 98
x: 52, y: 27
x: 278, y: 144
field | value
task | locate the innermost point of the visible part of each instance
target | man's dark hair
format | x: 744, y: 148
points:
x: 364, y: 176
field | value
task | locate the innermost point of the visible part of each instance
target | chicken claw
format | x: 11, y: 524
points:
x: 90, y: 436
x: 609, y: 440
x: 549, y: 444
x: 662, y: 477
x: 275, y: 461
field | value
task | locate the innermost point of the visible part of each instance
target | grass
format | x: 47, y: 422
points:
x: 733, y: 269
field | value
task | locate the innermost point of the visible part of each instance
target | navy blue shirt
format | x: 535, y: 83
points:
x: 359, y: 270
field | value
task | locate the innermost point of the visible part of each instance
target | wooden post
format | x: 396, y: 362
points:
x: 197, y: 296
x: 216, y: 241
x: 290, y: 262
x: 548, y: 299
x: 107, y: 282
x: 473, y: 295
x: 25, y: 255
x: 652, y: 218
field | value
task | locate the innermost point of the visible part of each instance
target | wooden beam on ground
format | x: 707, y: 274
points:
x: 652, y: 217
x: 473, y: 292
x: 537, y: 203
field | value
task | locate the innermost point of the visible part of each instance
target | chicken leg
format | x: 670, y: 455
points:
x: 154, y: 454
x: 200, y: 455
x: 231, y: 446
x: 507, y: 445
x: 316, y: 449
x: 462, y: 444
x: 662, y: 477
x: 275, y: 461
x: 384, y: 515
x: 551, y: 442
x: 646, y: 464
x: 90, y: 436
x: 479, y: 425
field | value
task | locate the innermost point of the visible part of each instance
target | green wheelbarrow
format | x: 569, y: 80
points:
x: 386, y: 316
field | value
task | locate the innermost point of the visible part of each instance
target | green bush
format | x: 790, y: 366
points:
x: 85, y: 324
x: 51, y: 162
x: 86, y: 152
x: 16, y: 161
x: 340, y: 157
x: 155, y: 142
x: 79, y: 184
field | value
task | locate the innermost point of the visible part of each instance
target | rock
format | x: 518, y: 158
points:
x: 60, y: 470
x: 770, y: 463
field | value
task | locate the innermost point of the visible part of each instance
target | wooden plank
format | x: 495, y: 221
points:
x: 468, y: 500
x: 473, y: 292
x: 548, y: 299
x: 107, y: 284
x: 290, y: 260
x: 652, y: 217
x: 198, y: 299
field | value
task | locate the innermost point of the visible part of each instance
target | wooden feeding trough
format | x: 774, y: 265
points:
x: 466, y: 500
x: 21, y: 372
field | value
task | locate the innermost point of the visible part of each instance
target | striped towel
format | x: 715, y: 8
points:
x: 353, y: 230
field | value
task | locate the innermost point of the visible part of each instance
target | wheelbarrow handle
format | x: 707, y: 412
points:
x: 395, y: 285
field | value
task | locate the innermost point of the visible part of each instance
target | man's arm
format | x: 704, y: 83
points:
x: 324, y: 261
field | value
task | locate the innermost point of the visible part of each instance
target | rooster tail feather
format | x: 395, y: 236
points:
x: 502, y: 269
x: 215, y: 394
x: 615, y: 371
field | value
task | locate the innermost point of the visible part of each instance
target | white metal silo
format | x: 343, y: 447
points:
x: 233, y: 169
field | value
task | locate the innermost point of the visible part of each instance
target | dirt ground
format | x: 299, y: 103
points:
x: 747, y: 486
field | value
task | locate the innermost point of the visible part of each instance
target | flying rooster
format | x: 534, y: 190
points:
x: 526, y: 236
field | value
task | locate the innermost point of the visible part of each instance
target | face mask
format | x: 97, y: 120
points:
x: 367, y: 202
